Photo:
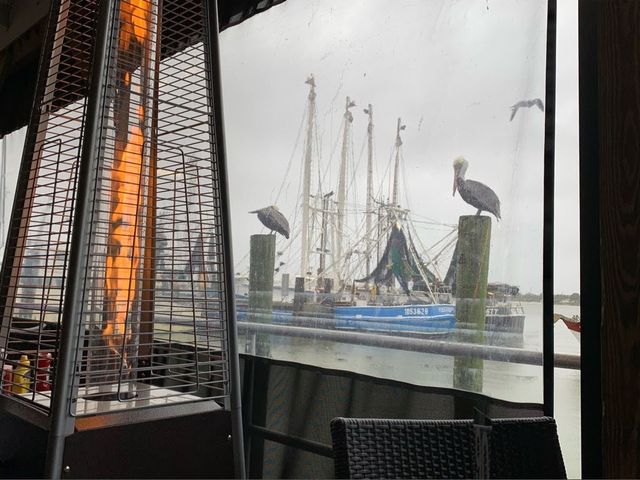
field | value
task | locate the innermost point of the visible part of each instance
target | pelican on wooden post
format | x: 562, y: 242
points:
x: 476, y: 194
x: 274, y: 220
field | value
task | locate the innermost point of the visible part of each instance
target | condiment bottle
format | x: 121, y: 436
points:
x: 20, y: 376
x: 7, y: 377
x: 42, y: 376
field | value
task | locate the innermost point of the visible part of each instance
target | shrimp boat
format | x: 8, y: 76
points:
x: 373, y: 273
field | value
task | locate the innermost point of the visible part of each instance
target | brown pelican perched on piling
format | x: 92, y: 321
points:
x: 474, y: 193
x: 273, y: 220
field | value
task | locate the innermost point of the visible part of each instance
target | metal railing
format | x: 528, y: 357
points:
x: 423, y: 345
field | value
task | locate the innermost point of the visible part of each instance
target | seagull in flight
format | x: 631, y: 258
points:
x: 526, y: 103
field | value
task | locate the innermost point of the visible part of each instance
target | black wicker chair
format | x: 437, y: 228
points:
x: 525, y: 448
x: 377, y: 448
x: 503, y: 448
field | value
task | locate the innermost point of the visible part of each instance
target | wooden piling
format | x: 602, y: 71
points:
x: 298, y: 296
x: 284, y: 291
x: 262, y: 257
x: 474, y: 237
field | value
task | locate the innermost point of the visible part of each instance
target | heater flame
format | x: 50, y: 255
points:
x: 124, y: 241
x: 134, y: 20
x: 123, y: 255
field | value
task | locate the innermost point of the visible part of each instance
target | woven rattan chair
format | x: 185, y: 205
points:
x: 503, y: 448
x: 376, y: 448
x: 525, y: 448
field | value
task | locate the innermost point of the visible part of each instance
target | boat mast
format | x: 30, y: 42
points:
x: 323, y: 234
x: 369, y: 207
x: 396, y: 169
x: 306, y: 177
x: 342, y: 187
x: 381, y: 220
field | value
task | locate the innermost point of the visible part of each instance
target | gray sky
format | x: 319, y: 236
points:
x: 450, y: 69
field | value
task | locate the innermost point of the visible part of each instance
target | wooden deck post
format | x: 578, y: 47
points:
x: 262, y: 257
x: 474, y: 237
x: 298, y: 296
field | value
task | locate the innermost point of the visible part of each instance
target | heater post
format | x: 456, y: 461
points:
x: 212, y: 57
x: 62, y: 423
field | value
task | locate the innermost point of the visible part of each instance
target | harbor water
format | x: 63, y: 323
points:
x: 508, y: 381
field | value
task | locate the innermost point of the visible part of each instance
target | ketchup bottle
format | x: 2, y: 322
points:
x: 42, y: 375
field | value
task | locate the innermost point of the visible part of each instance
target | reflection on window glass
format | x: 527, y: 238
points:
x: 391, y: 156
x: 349, y: 127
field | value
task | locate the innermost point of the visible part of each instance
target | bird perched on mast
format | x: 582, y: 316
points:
x: 476, y: 194
x: 273, y: 220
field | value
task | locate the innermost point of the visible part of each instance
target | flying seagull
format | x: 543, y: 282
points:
x: 526, y: 103
x: 476, y: 194
x: 273, y: 220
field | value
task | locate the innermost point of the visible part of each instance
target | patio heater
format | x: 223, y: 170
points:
x: 117, y: 340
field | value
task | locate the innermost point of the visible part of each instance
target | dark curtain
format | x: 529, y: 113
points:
x: 300, y: 401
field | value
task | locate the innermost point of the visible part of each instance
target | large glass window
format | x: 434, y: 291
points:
x: 358, y: 121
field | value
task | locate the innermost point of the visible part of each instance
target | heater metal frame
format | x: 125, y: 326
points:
x: 61, y: 421
x: 16, y: 237
x: 212, y: 29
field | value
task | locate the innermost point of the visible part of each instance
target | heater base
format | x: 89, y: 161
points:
x: 22, y: 447
x: 189, y: 446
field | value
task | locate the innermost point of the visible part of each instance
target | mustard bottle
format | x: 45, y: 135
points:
x: 20, y: 376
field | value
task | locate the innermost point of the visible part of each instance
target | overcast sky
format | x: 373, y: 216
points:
x: 450, y: 69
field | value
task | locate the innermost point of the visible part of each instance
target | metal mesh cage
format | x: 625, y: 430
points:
x: 151, y: 317
x: 36, y: 259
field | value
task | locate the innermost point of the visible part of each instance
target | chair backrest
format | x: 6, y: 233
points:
x: 500, y: 448
x: 525, y: 448
x: 379, y: 448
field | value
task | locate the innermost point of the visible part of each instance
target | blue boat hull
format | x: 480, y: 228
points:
x: 429, y: 319
x: 423, y: 319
